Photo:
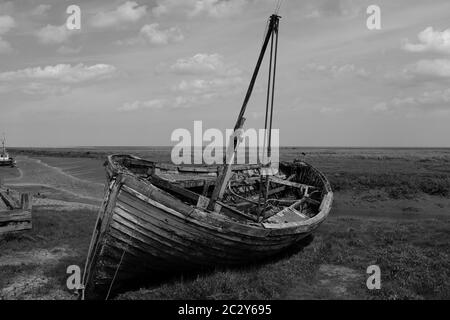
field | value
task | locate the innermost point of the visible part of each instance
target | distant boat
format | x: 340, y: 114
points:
x: 159, y: 218
x: 5, y: 158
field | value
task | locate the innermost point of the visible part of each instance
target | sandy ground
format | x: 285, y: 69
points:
x: 34, y: 172
x: 53, y: 190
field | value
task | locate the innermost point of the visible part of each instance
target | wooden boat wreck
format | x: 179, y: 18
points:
x: 15, y: 211
x: 164, y: 218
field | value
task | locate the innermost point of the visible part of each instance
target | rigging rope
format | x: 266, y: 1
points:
x: 277, y: 9
x: 118, y: 267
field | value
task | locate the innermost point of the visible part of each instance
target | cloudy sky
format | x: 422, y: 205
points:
x: 137, y: 70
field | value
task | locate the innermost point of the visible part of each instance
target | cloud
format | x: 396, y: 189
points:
x: 439, y: 68
x: 209, y: 86
x: 430, y: 41
x: 41, y: 10
x: 36, y: 88
x: 189, y: 94
x: 128, y: 12
x: 64, y: 73
x: 54, y: 34
x: 177, y: 102
x: 336, y: 70
x: 333, y: 8
x: 426, y: 101
x: 157, y: 36
x: 5, y: 47
x: 153, y: 34
x: 203, y: 63
x: 193, y: 8
x: 150, y: 104
x: 6, y: 24
x: 218, y: 80
x: 65, y: 50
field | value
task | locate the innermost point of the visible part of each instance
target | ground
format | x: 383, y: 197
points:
x: 391, y: 209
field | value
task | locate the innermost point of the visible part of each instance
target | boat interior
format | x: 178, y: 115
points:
x: 294, y: 194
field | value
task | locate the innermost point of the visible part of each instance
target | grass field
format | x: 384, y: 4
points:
x: 391, y: 209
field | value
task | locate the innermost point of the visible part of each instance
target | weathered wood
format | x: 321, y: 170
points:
x: 26, y: 201
x: 14, y: 220
x: 291, y: 184
x: 163, y: 226
x: 8, y: 200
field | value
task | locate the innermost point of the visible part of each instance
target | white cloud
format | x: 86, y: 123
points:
x: 68, y: 50
x: 336, y: 70
x: 219, y: 80
x: 153, y: 34
x: 434, y: 68
x: 54, y: 34
x: 209, y: 86
x: 5, y: 47
x: 65, y: 73
x: 193, y: 8
x: 426, y: 101
x: 190, y: 93
x: 157, y: 36
x: 130, y: 11
x: 202, y: 63
x: 41, y: 9
x: 150, y: 104
x: 6, y: 24
x: 44, y: 89
x: 333, y: 8
x: 430, y: 41
x: 177, y: 102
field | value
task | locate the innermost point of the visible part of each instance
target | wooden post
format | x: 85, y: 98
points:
x: 25, y: 201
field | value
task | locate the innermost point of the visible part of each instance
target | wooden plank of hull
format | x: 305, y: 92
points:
x: 215, y: 221
x: 177, y: 223
x: 199, y: 243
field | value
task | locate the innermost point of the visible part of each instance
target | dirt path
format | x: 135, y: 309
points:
x: 27, y: 260
x: 36, y: 173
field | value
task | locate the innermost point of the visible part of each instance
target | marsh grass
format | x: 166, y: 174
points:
x: 413, y: 259
x: 397, y: 186
x: 52, y: 229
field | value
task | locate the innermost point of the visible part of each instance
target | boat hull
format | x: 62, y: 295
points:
x: 7, y: 163
x: 143, y: 231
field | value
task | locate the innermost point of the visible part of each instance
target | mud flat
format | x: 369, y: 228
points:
x: 36, y: 174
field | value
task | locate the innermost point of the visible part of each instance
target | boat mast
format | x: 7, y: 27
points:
x: 225, y: 175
